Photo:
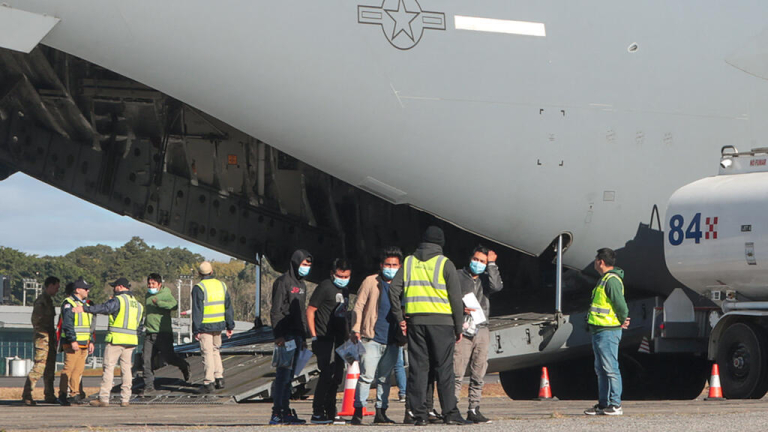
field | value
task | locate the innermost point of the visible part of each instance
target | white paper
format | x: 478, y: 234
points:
x: 304, y: 357
x: 290, y: 345
x: 470, y: 301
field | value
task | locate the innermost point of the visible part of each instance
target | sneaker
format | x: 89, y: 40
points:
x: 337, y: 420
x: 401, y: 398
x: 595, y: 410
x: 613, y: 410
x: 475, y: 416
x: 205, y: 389
x: 290, y: 418
x: 276, y: 419
x: 435, y: 417
x: 320, y: 419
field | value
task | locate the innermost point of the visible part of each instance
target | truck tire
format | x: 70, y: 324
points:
x: 521, y: 384
x: 742, y: 356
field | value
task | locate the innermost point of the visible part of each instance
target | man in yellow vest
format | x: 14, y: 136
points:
x: 211, y: 314
x: 433, y: 320
x: 125, y: 316
x: 75, y: 342
x: 607, y: 316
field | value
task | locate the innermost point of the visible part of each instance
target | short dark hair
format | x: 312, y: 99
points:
x: 391, y: 252
x: 70, y: 288
x: 51, y: 280
x: 155, y: 277
x: 479, y: 248
x: 340, y: 264
x: 608, y: 256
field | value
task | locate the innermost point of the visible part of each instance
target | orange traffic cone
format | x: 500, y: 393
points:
x: 545, y: 391
x: 715, y: 391
x: 348, y: 403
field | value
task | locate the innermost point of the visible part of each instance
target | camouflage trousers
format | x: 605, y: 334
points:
x: 45, y: 366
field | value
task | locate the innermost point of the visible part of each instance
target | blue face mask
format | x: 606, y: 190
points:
x: 388, y: 273
x: 304, y: 270
x: 341, y: 283
x: 477, y: 267
x: 153, y: 291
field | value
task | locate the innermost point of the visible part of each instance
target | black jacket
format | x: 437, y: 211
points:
x: 425, y: 252
x: 289, y: 299
x: 198, y: 298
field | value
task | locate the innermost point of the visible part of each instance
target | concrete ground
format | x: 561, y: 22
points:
x: 507, y: 415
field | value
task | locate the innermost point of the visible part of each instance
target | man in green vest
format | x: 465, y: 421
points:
x: 158, y: 339
x: 75, y: 341
x: 211, y: 314
x: 125, y: 315
x: 607, y: 317
x: 433, y: 320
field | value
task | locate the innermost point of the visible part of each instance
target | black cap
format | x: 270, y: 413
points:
x: 121, y: 281
x: 434, y: 235
x: 80, y: 283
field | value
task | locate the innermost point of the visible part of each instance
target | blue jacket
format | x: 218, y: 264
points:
x: 68, y: 321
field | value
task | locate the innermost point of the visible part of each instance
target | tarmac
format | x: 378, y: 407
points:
x: 507, y: 415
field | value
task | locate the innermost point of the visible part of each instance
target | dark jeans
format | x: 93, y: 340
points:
x: 159, y: 344
x: 281, y: 390
x: 331, y: 374
x: 431, y: 347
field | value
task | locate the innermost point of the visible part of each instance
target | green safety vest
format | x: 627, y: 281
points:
x: 214, y: 294
x: 601, y: 311
x: 124, y: 328
x: 82, y: 325
x: 424, y: 289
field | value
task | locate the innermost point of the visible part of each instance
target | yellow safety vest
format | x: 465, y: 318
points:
x: 82, y: 325
x: 424, y: 289
x: 601, y: 311
x: 214, y: 294
x: 124, y: 328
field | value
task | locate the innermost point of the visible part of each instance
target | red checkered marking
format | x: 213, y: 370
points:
x: 711, y: 228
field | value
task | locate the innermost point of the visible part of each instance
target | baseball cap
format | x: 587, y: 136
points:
x: 80, y: 283
x: 121, y: 281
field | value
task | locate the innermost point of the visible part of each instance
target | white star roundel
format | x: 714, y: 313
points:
x: 402, y: 21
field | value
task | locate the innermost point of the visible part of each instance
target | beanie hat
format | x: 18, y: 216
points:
x: 434, y: 235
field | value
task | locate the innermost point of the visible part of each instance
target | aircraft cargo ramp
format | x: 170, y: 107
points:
x: 248, y: 373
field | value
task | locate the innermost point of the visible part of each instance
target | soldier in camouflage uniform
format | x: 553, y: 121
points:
x: 45, y: 343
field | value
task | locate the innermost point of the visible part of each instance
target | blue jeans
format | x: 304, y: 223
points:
x: 400, y: 376
x: 281, y: 390
x: 605, y: 345
x: 376, y: 365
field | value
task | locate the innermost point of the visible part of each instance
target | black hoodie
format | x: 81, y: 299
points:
x: 289, y: 299
x: 425, y: 252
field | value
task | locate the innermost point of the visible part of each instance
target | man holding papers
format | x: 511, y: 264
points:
x: 479, y: 280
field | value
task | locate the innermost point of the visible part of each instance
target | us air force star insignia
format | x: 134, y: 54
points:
x: 402, y: 21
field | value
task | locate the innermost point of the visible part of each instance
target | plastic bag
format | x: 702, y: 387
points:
x: 282, y: 356
x: 304, y: 356
x: 469, y: 328
x: 351, y: 352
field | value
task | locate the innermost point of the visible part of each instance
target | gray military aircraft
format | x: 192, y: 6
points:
x: 342, y: 126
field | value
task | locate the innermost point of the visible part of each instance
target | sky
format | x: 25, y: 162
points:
x: 39, y: 219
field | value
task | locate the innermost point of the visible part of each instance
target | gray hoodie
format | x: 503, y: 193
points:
x: 425, y: 252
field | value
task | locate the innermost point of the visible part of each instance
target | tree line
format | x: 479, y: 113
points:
x: 135, y: 260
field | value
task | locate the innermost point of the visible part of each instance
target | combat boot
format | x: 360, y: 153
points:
x: 99, y: 404
x: 29, y: 402
x: 357, y: 417
x: 381, y: 417
x: 219, y: 383
x: 205, y: 389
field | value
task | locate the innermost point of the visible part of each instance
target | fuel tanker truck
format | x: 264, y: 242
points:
x: 716, y: 244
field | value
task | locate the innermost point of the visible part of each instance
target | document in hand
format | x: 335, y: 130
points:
x: 470, y: 301
x: 301, y: 362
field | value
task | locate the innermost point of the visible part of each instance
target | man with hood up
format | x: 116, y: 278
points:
x: 433, y: 320
x: 289, y: 323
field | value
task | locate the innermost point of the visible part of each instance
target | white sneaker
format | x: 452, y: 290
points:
x: 613, y: 410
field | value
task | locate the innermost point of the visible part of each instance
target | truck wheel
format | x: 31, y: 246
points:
x: 742, y: 356
x: 521, y: 384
